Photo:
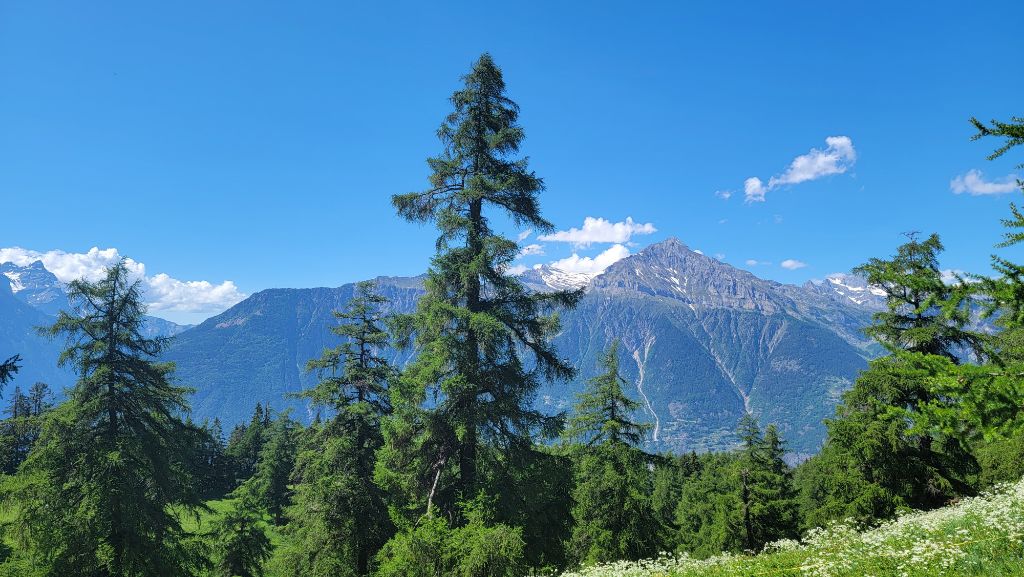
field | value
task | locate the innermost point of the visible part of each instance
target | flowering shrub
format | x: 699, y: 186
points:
x: 978, y: 536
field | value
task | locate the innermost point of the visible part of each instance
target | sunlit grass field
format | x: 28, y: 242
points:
x: 981, y: 536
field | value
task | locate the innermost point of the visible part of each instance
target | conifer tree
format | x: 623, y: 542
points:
x: 274, y: 468
x: 482, y: 338
x: 612, y: 508
x: 742, y: 500
x: 20, y: 430
x: 8, y: 368
x: 924, y: 314
x: 603, y: 412
x: 241, y: 545
x: 767, y: 497
x: 876, y: 459
x: 340, y: 517
x: 95, y: 496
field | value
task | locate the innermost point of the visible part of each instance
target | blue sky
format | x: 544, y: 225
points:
x: 251, y: 145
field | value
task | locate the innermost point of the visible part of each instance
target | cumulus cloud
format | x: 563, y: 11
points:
x: 516, y: 270
x: 755, y: 262
x: 161, y: 292
x: 600, y: 230
x: 595, y: 265
x: 530, y: 250
x: 792, y: 264
x: 973, y: 183
x: 753, y: 189
x: 723, y: 194
x: 524, y: 235
x: 837, y: 157
x: 69, y: 266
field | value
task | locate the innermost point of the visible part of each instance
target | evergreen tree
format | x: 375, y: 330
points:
x: 8, y: 369
x: 241, y: 545
x: 768, y: 499
x: 20, y: 430
x: 612, y: 509
x: 97, y: 494
x: 881, y: 452
x: 478, y: 548
x: 246, y: 442
x: 924, y: 314
x: 603, y: 412
x: 340, y: 518
x: 708, y: 511
x: 274, y: 468
x: 740, y: 501
x: 482, y: 339
x: 876, y: 459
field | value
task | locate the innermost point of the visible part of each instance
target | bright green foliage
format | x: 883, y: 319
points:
x: 1001, y: 460
x: 340, y: 518
x: 274, y: 468
x: 95, y: 494
x: 1012, y: 132
x: 612, y: 509
x: 876, y: 460
x: 241, y: 545
x: 603, y: 412
x: 478, y: 548
x: 482, y: 339
x: 891, y: 443
x: 708, y: 510
x: 925, y: 315
x: 976, y: 537
x: 739, y: 501
x: 21, y: 429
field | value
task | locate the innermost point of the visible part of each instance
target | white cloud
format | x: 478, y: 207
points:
x: 161, y: 292
x: 698, y: 251
x: 754, y: 262
x: 792, y: 264
x: 595, y: 265
x: 530, y: 250
x: 973, y: 183
x: 837, y: 157
x: 723, y: 194
x: 516, y: 270
x: 70, y: 266
x: 720, y: 256
x: 753, y: 189
x: 600, y: 230
x: 524, y: 235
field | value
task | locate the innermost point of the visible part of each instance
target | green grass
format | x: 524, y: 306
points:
x: 982, y: 536
x: 202, y: 522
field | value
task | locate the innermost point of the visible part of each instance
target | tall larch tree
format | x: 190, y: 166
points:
x: 340, y: 517
x: 613, y: 513
x: 482, y: 339
x: 102, y: 491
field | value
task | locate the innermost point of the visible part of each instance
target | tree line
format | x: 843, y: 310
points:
x: 445, y: 466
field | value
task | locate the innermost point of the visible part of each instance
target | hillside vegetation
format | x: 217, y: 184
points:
x: 981, y: 535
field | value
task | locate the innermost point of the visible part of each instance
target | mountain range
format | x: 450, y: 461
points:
x: 702, y: 343
x: 30, y: 298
